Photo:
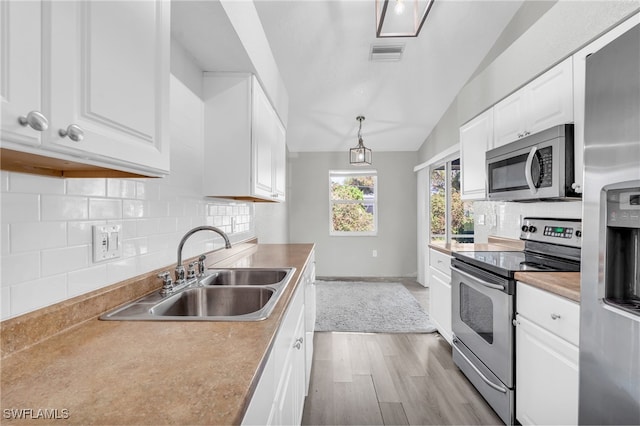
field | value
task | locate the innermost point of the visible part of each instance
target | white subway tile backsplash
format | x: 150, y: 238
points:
x: 81, y: 233
x: 37, y: 236
x: 122, y: 269
x: 146, y: 227
x: 5, y: 302
x: 135, y: 247
x: 4, y: 181
x: 65, y: 259
x: 36, y: 294
x: 133, y: 208
x: 121, y: 188
x: 57, y: 207
x: 18, y: 268
x: 85, y: 280
x: 104, y: 208
x: 20, y: 207
x: 35, y: 184
x: 89, y: 187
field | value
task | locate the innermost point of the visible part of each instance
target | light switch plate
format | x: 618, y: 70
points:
x: 106, y: 242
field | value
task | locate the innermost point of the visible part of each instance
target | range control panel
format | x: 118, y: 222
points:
x: 558, y: 231
x: 567, y: 232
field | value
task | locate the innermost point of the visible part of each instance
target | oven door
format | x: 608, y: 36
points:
x: 482, y: 311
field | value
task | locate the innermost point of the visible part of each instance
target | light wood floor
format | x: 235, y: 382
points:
x: 390, y: 379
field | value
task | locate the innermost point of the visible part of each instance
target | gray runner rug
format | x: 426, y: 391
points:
x: 369, y: 307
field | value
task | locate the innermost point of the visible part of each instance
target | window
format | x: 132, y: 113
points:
x: 353, y: 203
x: 451, y: 218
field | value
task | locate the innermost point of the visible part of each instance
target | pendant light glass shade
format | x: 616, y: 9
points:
x: 360, y: 155
x: 401, y: 18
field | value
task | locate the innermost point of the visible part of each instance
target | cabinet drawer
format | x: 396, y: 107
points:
x: 554, y: 313
x: 440, y: 261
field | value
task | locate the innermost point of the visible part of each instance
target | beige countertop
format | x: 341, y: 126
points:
x: 565, y: 284
x: 493, y: 244
x: 138, y: 372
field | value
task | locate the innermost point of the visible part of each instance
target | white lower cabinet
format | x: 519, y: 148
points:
x: 280, y: 393
x: 440, y: 292
x: 546, y: 358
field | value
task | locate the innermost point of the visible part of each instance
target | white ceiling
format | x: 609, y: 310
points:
x: 322, y: 51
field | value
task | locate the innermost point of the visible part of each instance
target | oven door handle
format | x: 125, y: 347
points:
x: 478, y: 280
x: 478, y: 372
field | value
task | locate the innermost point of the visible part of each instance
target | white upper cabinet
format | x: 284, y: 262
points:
x: 20, y: 85
x: 545, y: 102
x: 105, y: 82
x: 245, y: 147
x: 476, y: 137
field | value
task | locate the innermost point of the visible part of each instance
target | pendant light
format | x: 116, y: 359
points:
x: 401, y: 18
x: 360, y: 155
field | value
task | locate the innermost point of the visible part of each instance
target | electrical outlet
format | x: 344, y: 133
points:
x: 374, y: 253
x: 106, y: 242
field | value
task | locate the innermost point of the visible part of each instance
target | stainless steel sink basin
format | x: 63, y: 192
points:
x: 244, y: 276
x: 214, y: 302
x: 236, y: 294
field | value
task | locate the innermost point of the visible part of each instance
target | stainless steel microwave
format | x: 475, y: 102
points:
x: 539, y: 166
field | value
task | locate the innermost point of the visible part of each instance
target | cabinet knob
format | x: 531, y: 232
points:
x: 36, y: 120
x: 555, y: 316
x: 74, y: 132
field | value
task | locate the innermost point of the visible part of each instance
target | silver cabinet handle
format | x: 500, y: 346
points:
x: 520, y: 135
x: 478, y: 280
x: 35, y: 119
x: 555, y: 316
x: 298, y: 343
x: 482, y: 376
x: 74, y: 132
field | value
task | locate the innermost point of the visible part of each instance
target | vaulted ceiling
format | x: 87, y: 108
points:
x: 322, y: 51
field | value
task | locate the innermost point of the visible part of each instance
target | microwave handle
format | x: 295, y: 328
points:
x: 527, y: 170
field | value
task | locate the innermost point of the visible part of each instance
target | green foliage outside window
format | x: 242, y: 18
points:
x: 348, y: 215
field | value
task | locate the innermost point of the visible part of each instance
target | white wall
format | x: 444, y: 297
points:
x: 352, y: 256
x: 46, y: 222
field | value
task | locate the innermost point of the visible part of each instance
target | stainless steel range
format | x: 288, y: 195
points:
x: 483, y: 299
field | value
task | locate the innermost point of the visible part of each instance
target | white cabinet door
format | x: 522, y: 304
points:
x: 263, y: 133
x: 476, y: 137
x: 545, y: 102
x: 279, y: 161
x: 547, y: 376
x: 310, y: 317
x: 245, y: 140
x: 109, y: 75
x: 508, y: 119
x: 20, y: 55
x: 440, y: 303
x: 550, y: 98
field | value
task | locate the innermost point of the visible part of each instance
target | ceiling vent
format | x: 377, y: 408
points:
x: 386, y: 52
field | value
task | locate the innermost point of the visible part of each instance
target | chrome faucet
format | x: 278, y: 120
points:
x: 180, y: 278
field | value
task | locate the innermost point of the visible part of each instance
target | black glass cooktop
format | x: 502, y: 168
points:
x: 506, y: 263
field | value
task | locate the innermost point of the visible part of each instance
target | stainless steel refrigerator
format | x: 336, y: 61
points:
x: 610, y: 283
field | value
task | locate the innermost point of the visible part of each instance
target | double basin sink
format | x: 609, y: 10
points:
x: 235, y: 294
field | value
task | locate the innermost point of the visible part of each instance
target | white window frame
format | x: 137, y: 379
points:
x: 353, y: 173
